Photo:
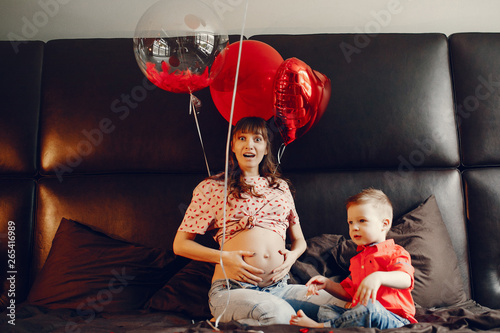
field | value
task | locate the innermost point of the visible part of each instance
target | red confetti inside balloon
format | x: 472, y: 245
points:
x: 179, y: 45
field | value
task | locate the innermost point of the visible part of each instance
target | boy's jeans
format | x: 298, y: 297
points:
x: 252, y: 305
x: 371, y: 315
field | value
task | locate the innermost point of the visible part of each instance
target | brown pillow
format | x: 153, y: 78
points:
x: 422, y: 233
x: 91, y: 272
x: 187, y: 291
x: 318, y: 259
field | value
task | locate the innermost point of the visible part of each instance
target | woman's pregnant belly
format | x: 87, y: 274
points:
x: 266, y: 245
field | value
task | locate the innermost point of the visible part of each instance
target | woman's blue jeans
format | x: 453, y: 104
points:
x: 371, y: 315
x: 252, y: 305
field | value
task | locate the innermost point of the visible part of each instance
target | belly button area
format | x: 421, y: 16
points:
x: 266, y: 255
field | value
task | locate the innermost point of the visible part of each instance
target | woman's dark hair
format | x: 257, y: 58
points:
x: 267, y: 167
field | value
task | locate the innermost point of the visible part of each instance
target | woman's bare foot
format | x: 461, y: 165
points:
x: 300, y: 319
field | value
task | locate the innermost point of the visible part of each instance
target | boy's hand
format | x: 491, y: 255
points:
x: 370, y: 285
x: 368, y: 289
x: 315, y: 284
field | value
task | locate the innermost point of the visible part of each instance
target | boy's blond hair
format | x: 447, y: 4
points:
x: 375, y: 197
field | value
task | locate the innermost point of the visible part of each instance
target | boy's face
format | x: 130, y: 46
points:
x: 367, y: 224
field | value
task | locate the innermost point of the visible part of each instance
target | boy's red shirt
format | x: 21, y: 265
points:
x: 384, y: 256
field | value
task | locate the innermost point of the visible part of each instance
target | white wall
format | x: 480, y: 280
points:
x: 54, y: 19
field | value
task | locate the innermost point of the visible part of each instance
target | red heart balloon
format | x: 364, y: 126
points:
x: 301, y: 96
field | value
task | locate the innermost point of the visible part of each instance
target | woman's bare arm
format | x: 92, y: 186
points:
x: 185, y: 245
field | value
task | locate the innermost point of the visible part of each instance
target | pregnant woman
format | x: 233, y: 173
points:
x: 260, y: 213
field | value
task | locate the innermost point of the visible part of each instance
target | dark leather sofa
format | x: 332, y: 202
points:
x: 84, y: 136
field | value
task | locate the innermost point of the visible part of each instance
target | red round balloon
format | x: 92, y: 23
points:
x: 254, y: 93
x: 301, y: 96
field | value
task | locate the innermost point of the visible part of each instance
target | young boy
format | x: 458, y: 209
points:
x: 381, y: 280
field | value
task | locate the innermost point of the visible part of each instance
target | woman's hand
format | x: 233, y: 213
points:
x: 298, y: 246
x: 282, y: 270
x: 234, y: 264
x: 238, y: 269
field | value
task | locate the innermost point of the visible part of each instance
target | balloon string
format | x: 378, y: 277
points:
x: 194, y: 105
x: 281, y: 151
x: 194, y: 102
x: 226, y: 170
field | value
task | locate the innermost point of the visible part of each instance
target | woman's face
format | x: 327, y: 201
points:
x: 250, y: 149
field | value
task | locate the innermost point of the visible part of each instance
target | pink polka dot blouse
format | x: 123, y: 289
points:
x: 274, y: 210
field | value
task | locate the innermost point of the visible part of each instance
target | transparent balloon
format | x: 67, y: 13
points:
x: 179, y: 45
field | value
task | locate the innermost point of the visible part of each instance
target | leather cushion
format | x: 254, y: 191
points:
x: 483, y: 207
x: 89, y: 271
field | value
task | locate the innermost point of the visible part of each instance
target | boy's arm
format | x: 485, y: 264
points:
x: 369, y: 286
x: 320, y: 282
x: 336, y: 289
x: 396, y: 279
